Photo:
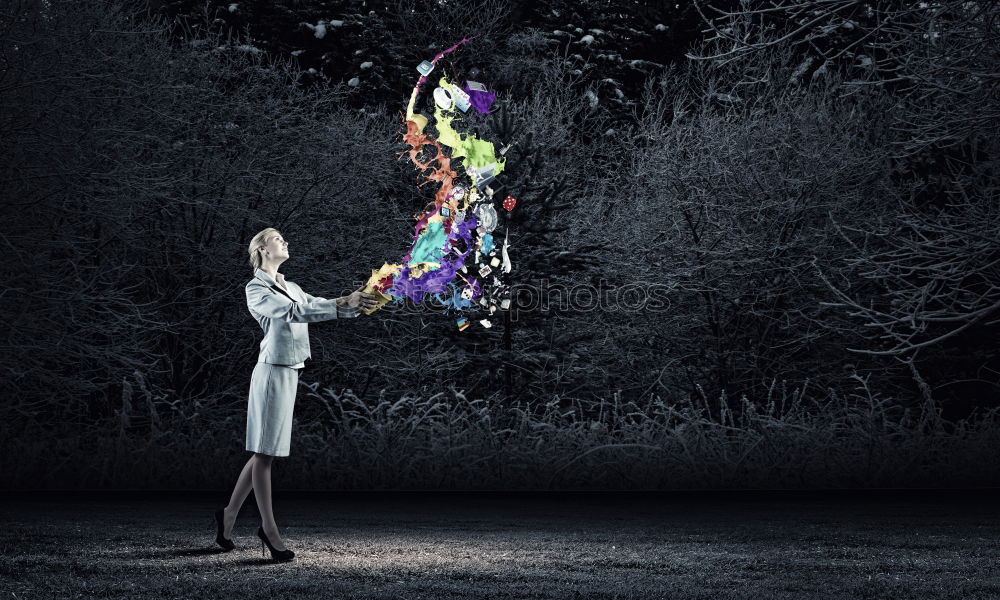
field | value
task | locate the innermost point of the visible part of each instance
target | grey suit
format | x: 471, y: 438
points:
x: 284, y: 314
x: 285, y: 317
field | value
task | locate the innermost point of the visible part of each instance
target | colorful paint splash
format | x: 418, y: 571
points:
x: 453, y: 256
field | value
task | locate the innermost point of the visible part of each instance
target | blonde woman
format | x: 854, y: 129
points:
x: 284, y: 312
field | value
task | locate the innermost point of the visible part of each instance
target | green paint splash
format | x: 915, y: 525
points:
x: 477, y: 153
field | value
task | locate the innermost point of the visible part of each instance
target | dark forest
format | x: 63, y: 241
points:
x: 500, y: 299
x: 752, y: 247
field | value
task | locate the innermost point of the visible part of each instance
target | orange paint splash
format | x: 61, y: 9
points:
x: 439, y: 165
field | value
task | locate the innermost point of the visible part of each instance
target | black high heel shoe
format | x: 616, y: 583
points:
x: 227, y: 545
x: 278, y: 555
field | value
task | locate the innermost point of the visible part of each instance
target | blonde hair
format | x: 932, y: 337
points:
x: 259, y: 240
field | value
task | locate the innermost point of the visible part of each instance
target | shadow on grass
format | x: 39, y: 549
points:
x: 168, y: 553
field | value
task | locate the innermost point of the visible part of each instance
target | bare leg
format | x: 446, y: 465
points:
x: 262, y: 492
x: 240, y: 492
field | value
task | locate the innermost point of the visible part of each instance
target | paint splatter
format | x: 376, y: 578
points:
x: 456, y: 228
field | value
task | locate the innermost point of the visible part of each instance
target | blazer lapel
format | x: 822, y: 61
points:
x: 277, y: 288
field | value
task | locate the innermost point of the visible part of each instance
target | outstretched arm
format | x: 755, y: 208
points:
x: 347, y: 306
x: 271, y: 304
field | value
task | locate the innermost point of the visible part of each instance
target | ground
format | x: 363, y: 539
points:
x: 463, y: 545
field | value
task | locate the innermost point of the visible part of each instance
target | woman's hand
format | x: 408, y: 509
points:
x: 359, y: 299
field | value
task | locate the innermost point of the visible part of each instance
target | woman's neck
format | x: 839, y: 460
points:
x: 271, y: 269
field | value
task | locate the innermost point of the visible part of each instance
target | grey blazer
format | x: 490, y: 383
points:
x: 285, y: 318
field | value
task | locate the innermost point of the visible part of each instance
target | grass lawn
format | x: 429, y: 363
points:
x: 506, y: 546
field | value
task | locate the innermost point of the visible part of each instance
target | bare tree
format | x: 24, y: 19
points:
x: 939, y: 58
x: 138, y: 174
x: 925, y: 277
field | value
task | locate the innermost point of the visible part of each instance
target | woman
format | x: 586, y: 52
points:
x: 284, y: 312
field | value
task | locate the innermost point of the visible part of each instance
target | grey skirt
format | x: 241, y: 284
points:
x: 269, y: 409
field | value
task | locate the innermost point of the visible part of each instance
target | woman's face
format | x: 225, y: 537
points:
x: 276, y: 248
